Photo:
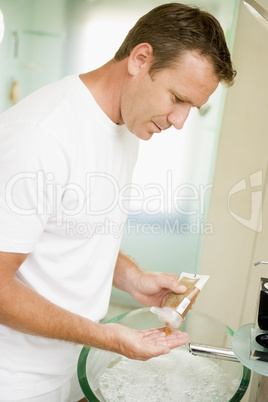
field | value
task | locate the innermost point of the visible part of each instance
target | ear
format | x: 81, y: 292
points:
x: 141, y: 57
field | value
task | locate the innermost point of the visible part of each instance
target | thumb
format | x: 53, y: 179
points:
x: 178, y: 288
x: 174, y: 285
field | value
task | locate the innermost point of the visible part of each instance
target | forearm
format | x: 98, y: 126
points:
x: 148, y: 288
x: 26, y: 311
x: 126, y: 273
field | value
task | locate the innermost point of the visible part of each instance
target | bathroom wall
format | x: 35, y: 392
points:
x: 32, y: 48
x: 240, y: 228
x: 17, y: 15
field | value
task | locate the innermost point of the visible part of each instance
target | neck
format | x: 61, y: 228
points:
x: 105, y: 84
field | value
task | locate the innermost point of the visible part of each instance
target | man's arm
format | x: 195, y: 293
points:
x: 148, y: 288
x: 26, y: 311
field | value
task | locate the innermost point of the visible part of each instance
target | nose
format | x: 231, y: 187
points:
x: 178, y: 115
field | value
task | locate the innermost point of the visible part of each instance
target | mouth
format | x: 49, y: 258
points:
x: 158, y: 129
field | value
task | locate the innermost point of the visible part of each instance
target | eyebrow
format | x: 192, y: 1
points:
x: 186, y: 100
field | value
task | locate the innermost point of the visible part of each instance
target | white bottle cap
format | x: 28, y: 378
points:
x: 167, y: 315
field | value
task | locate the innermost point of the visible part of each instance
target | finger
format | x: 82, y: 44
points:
x: 156, y: 332
x: 159, y: 331
x: 148, y: 332
x: 164, y: 345
x: 181, y: 337
x: 148, y: 337
x: 175, y: 338
x: 178, y: 288
x: 171, y: 282
x: 172, y: 341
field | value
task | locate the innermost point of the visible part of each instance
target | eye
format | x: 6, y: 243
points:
x: 177, y: 99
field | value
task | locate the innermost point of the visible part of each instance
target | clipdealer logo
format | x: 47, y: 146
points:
x: 30, y: 193
x: 254, y: 222
x: 80, y: 209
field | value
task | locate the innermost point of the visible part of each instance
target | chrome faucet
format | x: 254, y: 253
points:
x: 212, y: 351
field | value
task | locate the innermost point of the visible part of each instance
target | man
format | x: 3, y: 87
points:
x: 67, y: 155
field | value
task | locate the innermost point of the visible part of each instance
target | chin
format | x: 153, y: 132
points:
x: 148, y: 138
x: 140, y: 133
x: 145, y: 136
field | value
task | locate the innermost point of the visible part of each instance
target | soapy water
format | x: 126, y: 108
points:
x: 176, y: 377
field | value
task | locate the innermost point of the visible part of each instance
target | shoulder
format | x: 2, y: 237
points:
x: 40, y: 123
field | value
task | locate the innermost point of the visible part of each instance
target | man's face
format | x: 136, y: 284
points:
x: 152, y: 104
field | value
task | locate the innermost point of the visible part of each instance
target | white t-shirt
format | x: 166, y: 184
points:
x: 63, y: 167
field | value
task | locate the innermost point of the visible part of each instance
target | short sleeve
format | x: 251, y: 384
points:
x: 32, y: 165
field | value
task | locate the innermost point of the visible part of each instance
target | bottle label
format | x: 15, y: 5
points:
x: 183, y: 306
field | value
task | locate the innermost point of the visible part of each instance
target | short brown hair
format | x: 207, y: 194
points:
x: 174, y: 28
